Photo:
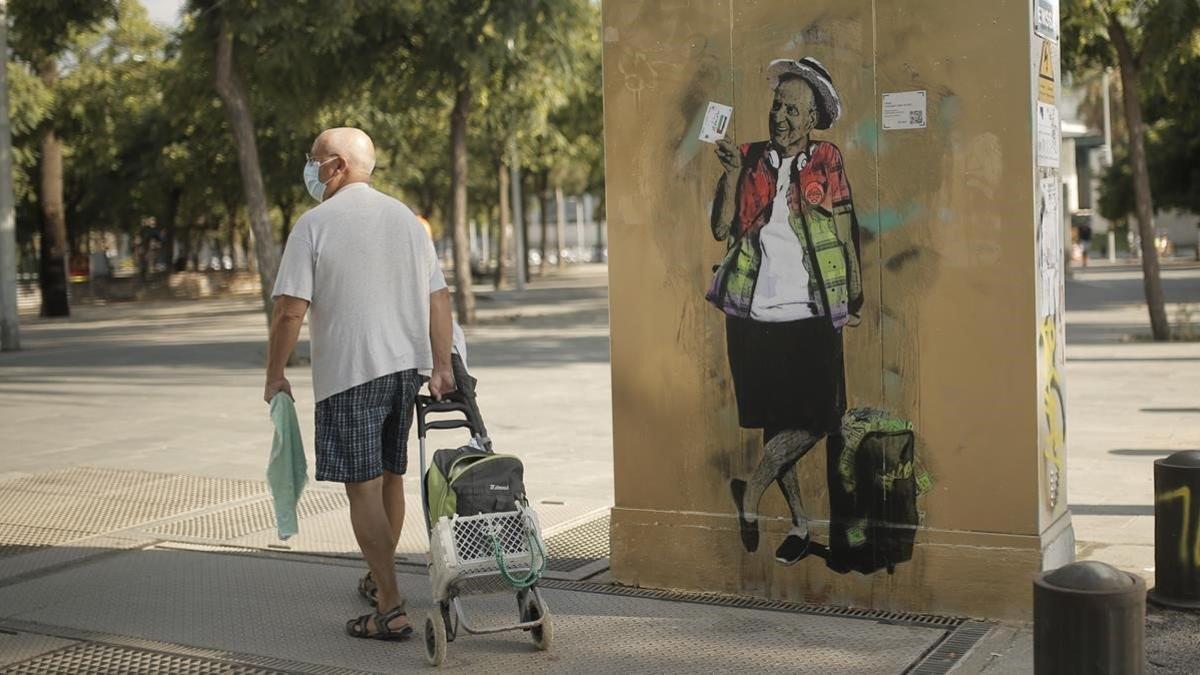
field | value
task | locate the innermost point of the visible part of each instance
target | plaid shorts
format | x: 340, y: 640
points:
x: 364, y: 430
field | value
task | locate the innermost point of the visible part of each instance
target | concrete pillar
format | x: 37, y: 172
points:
x: 959, y: 334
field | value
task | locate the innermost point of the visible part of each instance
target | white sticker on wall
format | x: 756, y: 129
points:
x: 1049, y: 135
x: 1045, y: 19
x: 1050, y: 236
x: 904, y: 110
x: 716, y: 122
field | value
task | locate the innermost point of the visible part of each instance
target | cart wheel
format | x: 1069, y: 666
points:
x: 542, y: 635
x: 449, y: 619
x: 435, y: 638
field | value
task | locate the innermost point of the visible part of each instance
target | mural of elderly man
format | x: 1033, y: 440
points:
x: 788, y: 285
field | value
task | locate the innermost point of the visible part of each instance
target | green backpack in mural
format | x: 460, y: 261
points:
x: 874, y: 481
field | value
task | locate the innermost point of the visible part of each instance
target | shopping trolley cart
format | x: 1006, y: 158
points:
x: 487, y: 553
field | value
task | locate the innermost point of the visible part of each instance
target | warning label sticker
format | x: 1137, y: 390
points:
x: 1046, y: 73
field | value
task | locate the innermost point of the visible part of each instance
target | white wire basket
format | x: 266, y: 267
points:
x: 463, y: 557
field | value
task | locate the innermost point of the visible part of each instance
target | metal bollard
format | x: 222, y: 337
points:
x: 1089, y: 618
x: 1177, y: 531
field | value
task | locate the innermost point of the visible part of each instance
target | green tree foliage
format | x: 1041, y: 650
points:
x: 1141, y: 40
x: 42, y: 31
x: 145, y: 134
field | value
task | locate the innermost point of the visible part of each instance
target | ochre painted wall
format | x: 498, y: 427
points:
x: 948, y: 337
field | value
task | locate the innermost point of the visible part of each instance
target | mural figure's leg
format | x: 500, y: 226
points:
x: 795, y: 546
x: 789, y: 483
x: 781, y: 450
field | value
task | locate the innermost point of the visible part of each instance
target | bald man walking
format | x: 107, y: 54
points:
x: 380, y: 320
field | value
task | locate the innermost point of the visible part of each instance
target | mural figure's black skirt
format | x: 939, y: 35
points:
x: 787, y: 375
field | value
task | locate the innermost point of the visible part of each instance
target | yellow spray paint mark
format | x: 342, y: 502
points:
x: 1053, y: 407
x: 1184, y: 495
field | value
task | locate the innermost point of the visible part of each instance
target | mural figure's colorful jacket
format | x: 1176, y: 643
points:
x: 821, y: 215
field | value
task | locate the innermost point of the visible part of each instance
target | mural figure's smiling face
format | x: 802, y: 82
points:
x: 793, y: 115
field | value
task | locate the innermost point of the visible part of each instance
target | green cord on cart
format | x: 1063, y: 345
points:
x: 534, y: 574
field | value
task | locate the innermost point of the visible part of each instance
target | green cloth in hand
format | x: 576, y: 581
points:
x: 287, y: 470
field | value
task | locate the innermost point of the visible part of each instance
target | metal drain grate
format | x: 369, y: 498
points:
x: 155, y: 656
x: 101, y: 658
x: 249, y: 518
x: 578, y: 546
x: 902, y: 618
x: 952, y: 649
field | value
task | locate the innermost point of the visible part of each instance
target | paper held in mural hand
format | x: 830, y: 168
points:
x: 716, y: 122
x: 789, y: 283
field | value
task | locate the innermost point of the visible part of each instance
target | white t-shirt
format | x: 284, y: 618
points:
x: 367, y: 265
x: 781, y: 292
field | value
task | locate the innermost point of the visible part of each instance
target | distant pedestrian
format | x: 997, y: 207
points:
x: 1085, y: 241
x: 380, y: 319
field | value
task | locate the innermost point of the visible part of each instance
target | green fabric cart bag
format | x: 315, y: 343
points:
x: 287, y: 470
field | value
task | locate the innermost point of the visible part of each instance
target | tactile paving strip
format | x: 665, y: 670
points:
x: 101, y: 658
x: 578, y: 546
x: 54, y: 507
x: 239, y: 521
x: 15, y: 539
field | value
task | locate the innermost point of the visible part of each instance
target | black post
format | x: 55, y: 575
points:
x: 1177, y: 531
x: 1089, y: 617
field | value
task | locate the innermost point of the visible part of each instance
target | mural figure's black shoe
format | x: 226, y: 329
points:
x: 793, y: 549
x: 749, y: 528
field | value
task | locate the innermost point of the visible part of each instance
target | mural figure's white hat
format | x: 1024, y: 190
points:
x: 829, y: 105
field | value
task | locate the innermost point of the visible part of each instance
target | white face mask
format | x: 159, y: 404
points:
x: 312, y: 178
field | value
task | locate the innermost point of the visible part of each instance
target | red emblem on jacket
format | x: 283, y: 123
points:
x: 814, y: 193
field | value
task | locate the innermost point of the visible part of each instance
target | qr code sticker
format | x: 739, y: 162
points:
x: 916, y: 117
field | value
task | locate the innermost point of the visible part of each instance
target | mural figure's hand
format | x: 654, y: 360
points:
x: 730, y: 157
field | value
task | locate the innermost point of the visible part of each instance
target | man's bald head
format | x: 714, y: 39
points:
x: 352, y: 145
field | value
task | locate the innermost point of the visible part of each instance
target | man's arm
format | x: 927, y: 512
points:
x: 441, y: 338
x: 847, y: 225
x: 285, y: 332
x: 725, y: 201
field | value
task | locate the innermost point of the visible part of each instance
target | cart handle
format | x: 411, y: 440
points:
x: 451, y: 403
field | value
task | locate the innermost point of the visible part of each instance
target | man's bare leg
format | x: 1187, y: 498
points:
x: 393, y: 503
x: 373, y: 531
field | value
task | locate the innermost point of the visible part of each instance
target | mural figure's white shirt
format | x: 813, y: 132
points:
x: 781, y: 293
x: 367, y: 265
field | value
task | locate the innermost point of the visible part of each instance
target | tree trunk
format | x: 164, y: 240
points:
x: 171, y: 228
x: 544, y: 212
x: 53, y: 271
x: 523, y: 204
x: 1143, y: 203
x: 505, y: 225
x: 464, y: 297
x: 10, y: 322
x: 285, y: 212
x: 560, y: 211
x: 229, y: 88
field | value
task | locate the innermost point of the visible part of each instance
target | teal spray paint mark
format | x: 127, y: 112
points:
x: 866, y: 134
x: 948, y: 112
x: 889, y: 218
x: 691, y: 144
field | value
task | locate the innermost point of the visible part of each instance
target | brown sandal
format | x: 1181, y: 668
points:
x: 368, y: 589
x: 358, y: 628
